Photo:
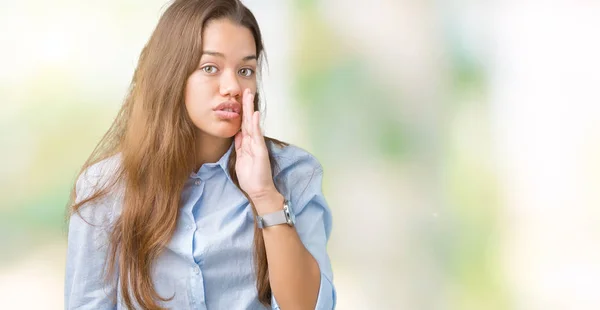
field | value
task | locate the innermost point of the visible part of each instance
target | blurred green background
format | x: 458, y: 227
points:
x: 460, y: 140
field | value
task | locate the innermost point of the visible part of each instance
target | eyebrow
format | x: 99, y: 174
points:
x: 217, y: 54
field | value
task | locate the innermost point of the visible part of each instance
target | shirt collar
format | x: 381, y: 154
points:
x: 224, y: 161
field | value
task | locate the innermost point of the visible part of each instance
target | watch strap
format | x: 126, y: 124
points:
x: 272, y: 219
x: 285, y: 216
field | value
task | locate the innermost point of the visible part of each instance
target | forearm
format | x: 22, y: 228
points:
x: 293, y: 272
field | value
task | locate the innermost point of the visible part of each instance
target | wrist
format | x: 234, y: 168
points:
x: 268, y: 202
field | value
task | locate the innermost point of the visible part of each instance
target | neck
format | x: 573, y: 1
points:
x: 210, y: 149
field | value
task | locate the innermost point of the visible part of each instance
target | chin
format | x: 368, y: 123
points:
x: 228, y: 132
x: 223, y: 130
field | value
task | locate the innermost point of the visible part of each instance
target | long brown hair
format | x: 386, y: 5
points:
x: 155, y: 137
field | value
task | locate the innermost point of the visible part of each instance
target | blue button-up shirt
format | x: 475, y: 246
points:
x: 208, y: 263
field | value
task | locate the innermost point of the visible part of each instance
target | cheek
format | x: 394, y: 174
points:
x: 251, y: 84
x: 198, y: 94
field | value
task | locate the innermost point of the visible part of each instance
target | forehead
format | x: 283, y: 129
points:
x: 231, y: 39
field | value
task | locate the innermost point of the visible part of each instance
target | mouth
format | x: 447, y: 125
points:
x: 228, y: 110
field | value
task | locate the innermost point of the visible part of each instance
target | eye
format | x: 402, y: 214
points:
x: 246, y: 72
x: 209, y: 69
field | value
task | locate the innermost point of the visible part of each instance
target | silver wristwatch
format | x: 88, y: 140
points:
x: 285, y: 216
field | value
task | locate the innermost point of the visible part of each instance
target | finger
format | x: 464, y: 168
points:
x: 244, y: 111
x: 238, y: 141
x: 248, y: 107
x: 258, y: 136
x: 251, y: 114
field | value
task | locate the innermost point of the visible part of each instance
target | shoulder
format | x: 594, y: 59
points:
x: 97, y: 176
x: 103, y: 168
x: 297, y: 174
x: 291, y: 160
x: 299, y: 178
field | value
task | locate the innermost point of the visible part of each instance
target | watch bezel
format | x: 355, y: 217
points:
x: 289, y: 213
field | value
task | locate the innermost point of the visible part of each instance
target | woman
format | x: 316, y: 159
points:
x: 184, y: 204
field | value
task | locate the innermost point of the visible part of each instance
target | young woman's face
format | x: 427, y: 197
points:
x: 213, y: 93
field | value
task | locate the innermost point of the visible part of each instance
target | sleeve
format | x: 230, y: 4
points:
x: 313, y: 224
x: 85, y: 285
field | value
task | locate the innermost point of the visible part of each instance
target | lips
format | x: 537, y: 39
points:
x: 229, y: 106
x: 228, y: 110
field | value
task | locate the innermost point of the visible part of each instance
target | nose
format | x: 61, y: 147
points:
x: 230, y: 85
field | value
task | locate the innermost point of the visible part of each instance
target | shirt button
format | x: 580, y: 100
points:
x: 188, y: 227
x: 197, y: 182
x: 197, y: 270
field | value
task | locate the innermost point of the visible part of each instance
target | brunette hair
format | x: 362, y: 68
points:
x: 153, y: 136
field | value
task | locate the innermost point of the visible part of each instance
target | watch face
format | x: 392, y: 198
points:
x: 289, y: 213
